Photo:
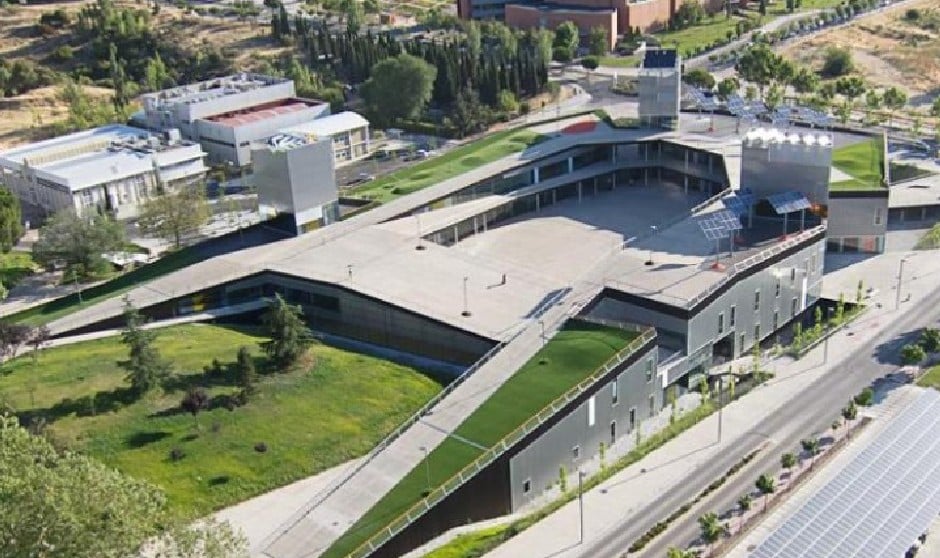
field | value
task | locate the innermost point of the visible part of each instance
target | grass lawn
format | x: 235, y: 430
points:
x: 572, y: 355
x: 864, y: 162
x: 703, y: 34
x: 612, y: 61
x: 448, y: 165
x: 14, y: 266
x: 333, y: 409
x: 931, y: 378
x: 930, y: 240
x: 54, y: 309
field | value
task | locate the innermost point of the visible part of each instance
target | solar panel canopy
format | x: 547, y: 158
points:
x: 877, y: 505
x: 789, y: 202
x: 712, y: 229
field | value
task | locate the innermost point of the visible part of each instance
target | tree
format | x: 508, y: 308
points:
x: 765, y: 483
x: 758, y: 65
x: 245, y: 373
x: 851, y: 87
x: 811, y: 446
x: 40, y: 336
x: 172, y: 215
x: 354, y: 14
x: 805, y: 81
x: 567, y: 38
x: 787, y: 461
x: 930, y: 339
x: 156, y: 76
x: 469, y: 115
x: 598, y: 41
x: 850, y: 411
x: 398, y: 88
x: 674, y: 552
x: 700, y: 78
x: 912, y: 354
x: 11, y: 220
x: 195, y: 401
x: 838, y: 62
x: 935, y: 107
x: 78, y: 242
x: 689, y: 13
x: 119, y: 80
x: 774, y: 96
x: 744, y: 503
x: 507, y: 102
x: 894, y: 100
x: 71, y: 505
x: 872, y: 102
x: 289, y: 335
x: 13, y: 336
x: 146, y: 368
x: 590, y: 63
x: 762, y: 7
x: 727, y: 87
x: 711, y: 527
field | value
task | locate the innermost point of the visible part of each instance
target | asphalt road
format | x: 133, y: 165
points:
x: 784, y: 429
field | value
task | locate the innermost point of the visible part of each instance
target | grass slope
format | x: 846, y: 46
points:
x: 864, y: 162
x: 14, y: 266
x: 316, y: 417
x: 572, y: 355
x: 450, y: 164
x: 931, y: 378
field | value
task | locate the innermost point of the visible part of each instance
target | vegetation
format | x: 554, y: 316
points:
x: 712, y: 529
x: 838, y: 62
x: 912, y: 353
x: 146, y: 368
x: 930, y: 240
x: 173, y: 215
x: 863, y: 161
x: 11, y: 228
x: 78, y: 243
x: 14, y: 266
x: 398, y: 89
x: 80, y: 393
x: 570, y: 356
x: 289, y: 335
x: 565, y: 43
x: 931, y: 378
x: 68, y: 504
x: 454, y: 162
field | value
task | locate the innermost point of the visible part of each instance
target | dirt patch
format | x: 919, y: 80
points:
x: 887, y: 50
x: 32, y: 116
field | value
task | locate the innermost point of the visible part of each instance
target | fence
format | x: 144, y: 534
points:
x: 452, y: 484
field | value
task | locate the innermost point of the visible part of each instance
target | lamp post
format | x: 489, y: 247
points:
x: 466, y: 309
x: 542, y: 330
x: 427, y: 466
x: 580, y: 506
x: 721, y: 375
x: 649, y: 260
x: 897, y: 301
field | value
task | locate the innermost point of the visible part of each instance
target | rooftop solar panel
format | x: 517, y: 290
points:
x: 659, y: 58
x: 878, y: 504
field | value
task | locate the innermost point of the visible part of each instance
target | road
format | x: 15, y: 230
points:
x: 784, y: 429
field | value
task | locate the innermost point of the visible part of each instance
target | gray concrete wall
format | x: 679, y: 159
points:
x: 861, y: 216
x: 777, y: 168
x: 295, y: 180
x: 540, y: 461
x: 349, y: 314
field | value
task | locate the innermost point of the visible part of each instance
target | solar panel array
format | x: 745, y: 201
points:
x: 743, y: 109
x: 739, y: 202
x: 780, y: 118
x: 712, y: 229
x: 878, y: 504
x: 789, y: 202
x: 702, y: 100
x: 727, y: 219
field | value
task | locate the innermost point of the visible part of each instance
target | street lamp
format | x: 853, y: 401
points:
x: 466, y: 309
x: 427, y: 466
x: 542, y: 330
x: 721, y: 375
x: 649, y: 260
x: 580, y: 506
x: 897, y: 302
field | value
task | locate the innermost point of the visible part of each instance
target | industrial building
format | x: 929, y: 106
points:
x: 225, y: 115
x: 112, y: 169
x: 693, y: 239
x: 296, y: 183
x: 348, y: 130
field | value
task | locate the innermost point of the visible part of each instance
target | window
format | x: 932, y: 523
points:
x: 721, y: 323
x: 591, y: 411
x: 731, y: 318
x: 777, y: 290
x: 649, y: 370
x: 613, y: 431
x: 756, y: 301
x: 652, y: 405
x: 792, y: 274
x: 878, y: 216
x: 576, y: 452
x: 614, y: 396
x: 757, y: 333
x: 741, y: 346
x: 793, y: 307
x: 632, y: 419
x: 526, y: 486
x: 776, y: 320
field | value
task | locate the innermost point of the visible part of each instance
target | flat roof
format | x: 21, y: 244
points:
x: 214, y: 88
x: 264, y: 111
x: 880, y: 502
x: 328, y: 125
x: 99, y: 155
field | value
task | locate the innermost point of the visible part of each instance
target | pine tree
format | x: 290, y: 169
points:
x: 146, y: 369
x: 245, y: 372
x: 289, y: 335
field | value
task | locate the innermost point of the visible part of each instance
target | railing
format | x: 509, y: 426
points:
x: 758, y: 258
x: 421, y: 507
x: 408, y: 423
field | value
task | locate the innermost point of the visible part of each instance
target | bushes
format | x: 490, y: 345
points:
x: 838, y: 62
x: 912, y: 354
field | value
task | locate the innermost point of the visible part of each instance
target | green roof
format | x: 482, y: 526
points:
x: 576, y: 352
x: 864, y: 162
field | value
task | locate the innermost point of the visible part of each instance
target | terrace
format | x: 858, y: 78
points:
x: 858, y: 166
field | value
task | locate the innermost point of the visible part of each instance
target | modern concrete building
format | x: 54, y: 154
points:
x: 659, y: 83
x: 348, y: 130
x: 225, y: 115
x: 296, y: 183
x: 113, y: 168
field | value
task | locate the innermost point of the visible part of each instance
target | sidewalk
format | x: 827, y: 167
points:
x: 621, y: 497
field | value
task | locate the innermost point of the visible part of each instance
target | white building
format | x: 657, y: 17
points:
x: 349, y: 131
x: 113, y: 168
x: 225, y: 115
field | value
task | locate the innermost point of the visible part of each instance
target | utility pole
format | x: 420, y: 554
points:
x: 720, y: 406
x: 427, y: 466
x: 897, y: 301
x: 466, y: 309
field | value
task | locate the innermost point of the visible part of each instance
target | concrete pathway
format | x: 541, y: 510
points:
x: 617, y: 500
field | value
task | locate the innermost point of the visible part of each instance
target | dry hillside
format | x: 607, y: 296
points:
x: 887, y: 49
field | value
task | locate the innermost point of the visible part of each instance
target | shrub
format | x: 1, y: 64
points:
x: 930, y: 340
x: 865, y: 398
x: 261, y: 447
x: 561, y: 54
x: 838, y: 62
x: 912, y: 354
x: 177, y: 454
